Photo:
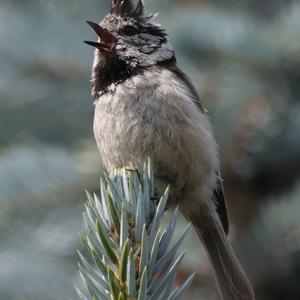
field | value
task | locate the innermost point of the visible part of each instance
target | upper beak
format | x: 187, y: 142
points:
x: 107, y: 40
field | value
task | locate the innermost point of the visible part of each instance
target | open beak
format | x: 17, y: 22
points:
x: 107, y: 40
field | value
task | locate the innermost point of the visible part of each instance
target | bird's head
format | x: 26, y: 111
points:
x: 128, y: 40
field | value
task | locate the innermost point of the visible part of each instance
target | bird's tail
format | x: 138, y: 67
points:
x: 231, y: 279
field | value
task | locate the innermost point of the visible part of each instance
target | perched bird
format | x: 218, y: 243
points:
x: 145, y: 106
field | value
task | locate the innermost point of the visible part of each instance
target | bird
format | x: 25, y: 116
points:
x: 146, y: 106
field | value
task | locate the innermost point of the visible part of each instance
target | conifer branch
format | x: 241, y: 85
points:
x: 128, y: 252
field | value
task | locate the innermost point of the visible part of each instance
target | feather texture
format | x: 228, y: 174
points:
x: 128, y: 8
x: 232, y: 281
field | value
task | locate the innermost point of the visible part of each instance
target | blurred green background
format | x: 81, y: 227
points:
x: 244, y: 58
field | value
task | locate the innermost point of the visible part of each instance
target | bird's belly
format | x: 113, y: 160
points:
x: 184, y: 154
x: 124, y: 134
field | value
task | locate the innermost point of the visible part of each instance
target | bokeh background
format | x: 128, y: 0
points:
x: 244, y: 58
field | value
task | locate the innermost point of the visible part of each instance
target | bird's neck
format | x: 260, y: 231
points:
x: 107, y: 72
x: 113, y: 71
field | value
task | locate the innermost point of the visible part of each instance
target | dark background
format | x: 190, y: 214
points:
x: 244, y: 58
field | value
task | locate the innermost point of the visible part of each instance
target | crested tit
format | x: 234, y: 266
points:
x: 146, y: 106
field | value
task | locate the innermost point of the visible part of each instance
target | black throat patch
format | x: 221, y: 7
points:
x: 109, y: 71
x: 112, y: 70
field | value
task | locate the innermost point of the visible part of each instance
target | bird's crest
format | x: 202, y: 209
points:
x: 128, y: 8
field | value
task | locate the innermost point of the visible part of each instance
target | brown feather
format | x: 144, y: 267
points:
x: 221, y: 204
x: 231, y: 279
x: 171, y: 65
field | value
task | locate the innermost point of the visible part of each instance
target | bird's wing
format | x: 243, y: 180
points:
x: 221, y: 203
x: 173, y: 68
x: 219, y: 191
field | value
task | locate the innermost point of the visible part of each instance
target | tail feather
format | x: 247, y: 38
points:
x: 231, y: 279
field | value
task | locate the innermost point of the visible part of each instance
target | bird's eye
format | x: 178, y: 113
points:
x: 130, y: 30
